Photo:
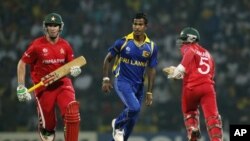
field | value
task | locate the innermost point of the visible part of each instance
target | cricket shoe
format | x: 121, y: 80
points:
x: 194, y: 134
x: 47, y: 135
x: 118, y: 134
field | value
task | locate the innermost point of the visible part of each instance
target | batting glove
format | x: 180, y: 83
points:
x: 169, y: 71
x: 178, y: 72
x: 75, y: 71
x: 22, y: 94
x: 174, y: 72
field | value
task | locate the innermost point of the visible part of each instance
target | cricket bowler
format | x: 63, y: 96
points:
x: 135, y: 56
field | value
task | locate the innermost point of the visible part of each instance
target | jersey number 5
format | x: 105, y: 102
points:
x: 205, y: 69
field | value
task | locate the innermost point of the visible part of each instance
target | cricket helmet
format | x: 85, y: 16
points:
x: 53, y: 18
x: 189, y: 35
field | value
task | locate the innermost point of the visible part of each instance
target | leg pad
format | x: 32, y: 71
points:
x: 192, y: 124
x: 214, y: 127
x: 72, y: 122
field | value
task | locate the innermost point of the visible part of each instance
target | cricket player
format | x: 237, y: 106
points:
x: 44, y: 55
x: 197, y: 70
x: 134, y: 53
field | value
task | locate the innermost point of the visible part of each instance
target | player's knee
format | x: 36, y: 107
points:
x: 213, y: 122
x: 134, y: 111
x: 135, y: 107
x: 194, y: 115
x: 191, y: 119
x: 72, y: 112
x: 191, y: 114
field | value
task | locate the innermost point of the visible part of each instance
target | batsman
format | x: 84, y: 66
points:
x: 44, y: 55
x: 197, y: 69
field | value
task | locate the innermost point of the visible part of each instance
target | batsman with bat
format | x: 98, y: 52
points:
x: 197, y: 70
x: 44, y: 55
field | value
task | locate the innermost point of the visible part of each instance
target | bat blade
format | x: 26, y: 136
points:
x: 63, y: 70
x: 59, y: 73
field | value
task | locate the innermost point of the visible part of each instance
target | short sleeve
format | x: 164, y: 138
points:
x: 70, y: 52
x: 29, y: 55
x: 153, y: 60
x: 116, y: 47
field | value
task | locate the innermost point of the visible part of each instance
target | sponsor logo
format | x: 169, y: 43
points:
x: 134, y: 62
x: 53, y: 61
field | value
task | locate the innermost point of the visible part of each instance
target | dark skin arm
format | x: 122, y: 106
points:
x: 151, y: 72
x: 106, y: 84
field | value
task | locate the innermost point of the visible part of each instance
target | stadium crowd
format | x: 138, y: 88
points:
x: 92, y: 25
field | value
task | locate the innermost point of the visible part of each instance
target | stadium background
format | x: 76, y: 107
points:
x: 91, y: 26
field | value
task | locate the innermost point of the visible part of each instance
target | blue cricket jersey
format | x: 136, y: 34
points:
x: 131, y: 60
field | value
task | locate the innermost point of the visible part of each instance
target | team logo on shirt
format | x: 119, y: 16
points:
x: 127, y: 50
x: 145, y: 54
x: 62, y: 51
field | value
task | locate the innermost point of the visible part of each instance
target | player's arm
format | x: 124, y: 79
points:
x: 151, y: 72
x: 187, y: 57
x: 180, y: 70
x: 112, y: 52
x: 28, y: 57
x: 22, y: 91
x: 106, y: 64
x: 151, y: 77
x: 106, y: 84
x: 21, y: 71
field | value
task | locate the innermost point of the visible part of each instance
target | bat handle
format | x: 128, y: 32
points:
x: 36, y: 86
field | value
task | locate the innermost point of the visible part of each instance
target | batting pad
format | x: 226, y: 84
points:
x: 72, y: 121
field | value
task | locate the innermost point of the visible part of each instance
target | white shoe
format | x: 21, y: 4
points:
x: 118, y: 135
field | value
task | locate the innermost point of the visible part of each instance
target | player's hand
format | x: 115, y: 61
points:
x: 172, y: 72
x: 149, y: 98
x: 22, y: 93
x: 106, y: 86
x: 75, y: 71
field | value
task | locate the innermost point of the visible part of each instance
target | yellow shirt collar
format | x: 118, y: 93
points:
x: 131, y: 37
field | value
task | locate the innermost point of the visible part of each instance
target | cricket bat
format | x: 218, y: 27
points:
x: 59, y: 73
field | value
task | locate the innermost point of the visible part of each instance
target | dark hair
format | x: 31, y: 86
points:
x: 141, y: 16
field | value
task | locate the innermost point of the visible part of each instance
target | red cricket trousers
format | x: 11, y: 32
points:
x: 201, y: 95
x: 51, y: 97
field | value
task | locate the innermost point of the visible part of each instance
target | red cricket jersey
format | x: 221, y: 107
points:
x: 198, y: 63
x: 44, y: 57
